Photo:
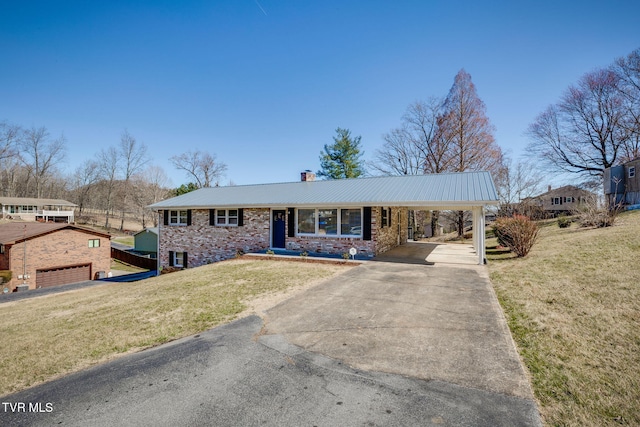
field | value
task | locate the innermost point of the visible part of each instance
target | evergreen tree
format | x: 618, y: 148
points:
x: 184, y: 189
x: 342, y: 159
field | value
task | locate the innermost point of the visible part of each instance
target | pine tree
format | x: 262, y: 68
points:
x: 342, y: 159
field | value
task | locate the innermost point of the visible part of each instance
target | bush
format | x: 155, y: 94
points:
x: 5, y: 276
x: 564, y: 221
x: 517, y: 233
x: 594, y: 213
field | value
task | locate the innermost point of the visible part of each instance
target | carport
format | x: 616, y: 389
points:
x: 478, y: 223
x: 471, y: 191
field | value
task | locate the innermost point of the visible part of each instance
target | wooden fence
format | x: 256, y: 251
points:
x: 138, y: 261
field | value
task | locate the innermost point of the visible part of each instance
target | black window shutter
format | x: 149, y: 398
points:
x: 184, y: 260
x: 166, y: 217
x: 240, y: 217
x: 389, y: 217
x: 366, y: 223
x: 291, y: 222
x: 170, y: 258
x: 188, y: 216
x: 212, y: 217
x: 383, y: 217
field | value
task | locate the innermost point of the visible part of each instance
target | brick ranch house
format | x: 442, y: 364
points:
x: 49, y: 254
x: 368, y: 214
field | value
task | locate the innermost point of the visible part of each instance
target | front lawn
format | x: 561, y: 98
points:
x: 573, y: 306
x: 45, y: 337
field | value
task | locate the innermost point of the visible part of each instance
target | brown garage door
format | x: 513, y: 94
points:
x: 62, y: 275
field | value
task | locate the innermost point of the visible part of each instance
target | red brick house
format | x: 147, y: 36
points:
x: 332, y: 216
x: 49, y: 254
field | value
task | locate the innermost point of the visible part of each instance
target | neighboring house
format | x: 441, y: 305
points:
x: 332, y: 216
x: 561, y: 200
x: 146, y: 241
x: 30, y: 209
x: 48, y: 254
x: 622, y: 183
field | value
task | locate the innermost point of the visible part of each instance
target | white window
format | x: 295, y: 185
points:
x: 94, y: 243
x: 178, y: 259
x: 178, y: 217
x: 632, y: 171
x: 330, y: 222
x: 227, y: 217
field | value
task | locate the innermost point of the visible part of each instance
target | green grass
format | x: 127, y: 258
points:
x: 45, y: 337
x: 121, y: 266
x: 573, y: 307
x: 125, y: 240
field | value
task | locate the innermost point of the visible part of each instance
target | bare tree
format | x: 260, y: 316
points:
x: 467, y: 132
x: 150, y: 186
x: 399, y: 155
x: 83, y: 183
x: 585, y: 131
x: 108, y: 160
x: 40, y: 155
x: 515, y: 183
x: 9, y: 136
x: 414, y: 147
x: 13, y: 178
x: 628, y: 71
x: 133, y: 157
x: 200, y: 166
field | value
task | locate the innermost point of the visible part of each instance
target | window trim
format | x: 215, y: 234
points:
x: 175, y: 259
x: 338, y: 224
x: 180, y: 221
x: 227, y: 217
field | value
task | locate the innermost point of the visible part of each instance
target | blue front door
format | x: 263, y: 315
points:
x: 278, y: 229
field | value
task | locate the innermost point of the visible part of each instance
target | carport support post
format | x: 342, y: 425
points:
x: 478, y: 234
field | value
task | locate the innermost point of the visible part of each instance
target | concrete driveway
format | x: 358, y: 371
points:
x: 402, y: 314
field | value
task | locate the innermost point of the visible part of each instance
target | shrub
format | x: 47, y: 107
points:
x: 564, y: 221
x: 5, y: 275
x: 595, y: 213
x: 517, y: 233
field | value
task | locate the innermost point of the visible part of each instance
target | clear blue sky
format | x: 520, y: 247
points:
x: 263, y: 84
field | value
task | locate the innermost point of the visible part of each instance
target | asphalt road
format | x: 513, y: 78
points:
x: 234, y: 376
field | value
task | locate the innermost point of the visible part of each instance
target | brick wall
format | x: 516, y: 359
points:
x: 330, y: 245
x: 60, y: 248
x: 206, y: 243
x: 386, y: 237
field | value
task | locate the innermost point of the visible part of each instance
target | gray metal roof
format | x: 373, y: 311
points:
x: 443, y: 191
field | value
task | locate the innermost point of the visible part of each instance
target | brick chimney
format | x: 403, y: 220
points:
x: 307, y: 176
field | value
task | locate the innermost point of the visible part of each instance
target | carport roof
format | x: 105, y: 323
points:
x: 437, y: 191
